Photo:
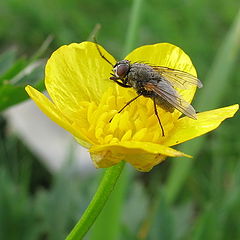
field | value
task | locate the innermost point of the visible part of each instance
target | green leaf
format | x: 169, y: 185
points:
x: 17, y: 74
x: 14, y: 69
x: 11, y: 95
x: 12, y: 88
x: 7, y: 59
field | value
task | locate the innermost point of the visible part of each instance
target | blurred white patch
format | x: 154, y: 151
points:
x: 52, y: 144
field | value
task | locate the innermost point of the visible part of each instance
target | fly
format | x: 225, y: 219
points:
x: 157, y: 83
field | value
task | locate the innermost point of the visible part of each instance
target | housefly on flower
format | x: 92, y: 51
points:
x: 155, y: 82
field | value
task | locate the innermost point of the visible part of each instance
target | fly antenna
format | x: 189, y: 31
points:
x: 95, y: 41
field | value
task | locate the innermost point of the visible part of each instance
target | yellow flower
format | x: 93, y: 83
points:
x: 84, y: 99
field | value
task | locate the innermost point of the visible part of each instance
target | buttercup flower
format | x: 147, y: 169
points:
x: 84, y: 100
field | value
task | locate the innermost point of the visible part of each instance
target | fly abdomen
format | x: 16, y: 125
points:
x: 164, y: 104
x: 146, y: 93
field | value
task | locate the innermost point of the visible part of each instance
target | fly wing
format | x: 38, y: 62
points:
x: 169, y: 94
x: 178, y: 78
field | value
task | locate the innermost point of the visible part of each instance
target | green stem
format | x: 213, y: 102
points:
x: 104, y: 190
x: 113, y: 210
x: 133, y: 26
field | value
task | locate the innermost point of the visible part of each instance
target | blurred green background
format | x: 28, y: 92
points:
x: 178, y: 199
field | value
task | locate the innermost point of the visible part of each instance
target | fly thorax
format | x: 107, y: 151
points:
x: 139, y: 73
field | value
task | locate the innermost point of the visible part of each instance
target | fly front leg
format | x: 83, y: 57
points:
x: 117, y: 80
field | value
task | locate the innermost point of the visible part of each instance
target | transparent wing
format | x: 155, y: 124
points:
x: 178, y: 78
x: 169, y: 94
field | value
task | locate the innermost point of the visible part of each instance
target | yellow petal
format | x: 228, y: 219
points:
x: 76, y: 73
x: 187, y: 128
x: 167, y: 55
x: 55, y: 115
x: 142, y: 155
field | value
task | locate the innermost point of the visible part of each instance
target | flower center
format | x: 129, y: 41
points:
x: 102, y: 123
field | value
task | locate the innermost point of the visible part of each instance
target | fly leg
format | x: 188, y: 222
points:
x: 122, y: 84
x: 156, y: 113
x: 128, y: 103
x: 101, y: 54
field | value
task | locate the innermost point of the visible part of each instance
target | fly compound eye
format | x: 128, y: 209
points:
x: 121, y: 70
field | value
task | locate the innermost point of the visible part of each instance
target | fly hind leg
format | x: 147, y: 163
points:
x: 156, y: 113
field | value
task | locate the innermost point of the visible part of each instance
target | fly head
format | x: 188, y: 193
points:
x: 120, y: 72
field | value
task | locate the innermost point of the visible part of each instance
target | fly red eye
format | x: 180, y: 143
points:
x: 122, y: 70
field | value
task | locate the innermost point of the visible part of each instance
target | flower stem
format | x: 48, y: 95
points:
x: 101, y: 196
